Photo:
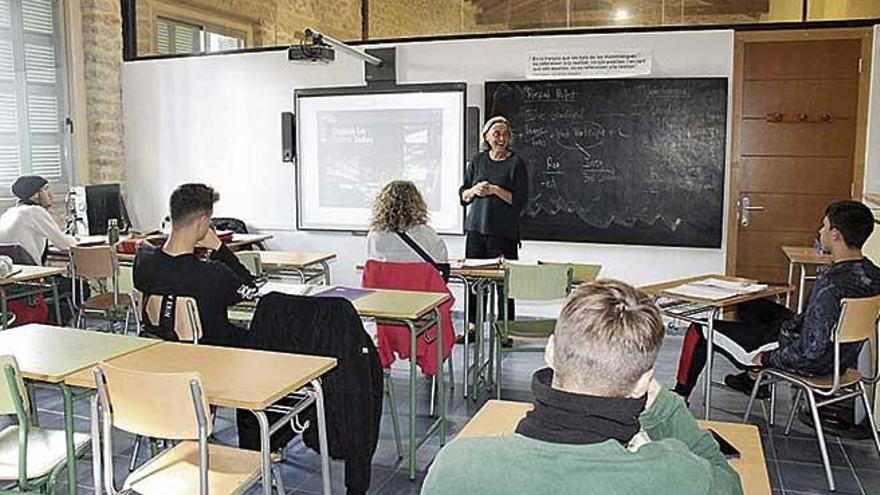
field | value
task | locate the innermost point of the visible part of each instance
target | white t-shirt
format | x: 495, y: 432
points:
x: 31, y: 226
x: 388, y: 246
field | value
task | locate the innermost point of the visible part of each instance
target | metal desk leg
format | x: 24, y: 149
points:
x: 710, y: 344
x: 800, y: 305
x: 326, y: 267
x: 478, y: 342
x: 467, y: 323
x: 56, y: 301
x: 441, y: 389
x: 790, y: 280
x: 68, y: 433
x: 413, y: 406
x: 265, y: 460
x: 97, y: 468
x: 322, y: 435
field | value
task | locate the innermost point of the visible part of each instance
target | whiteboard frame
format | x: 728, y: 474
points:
x: 370, y: 90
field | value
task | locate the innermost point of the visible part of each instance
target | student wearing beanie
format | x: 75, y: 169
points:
x: 30, y: 225
x: 29, y: 222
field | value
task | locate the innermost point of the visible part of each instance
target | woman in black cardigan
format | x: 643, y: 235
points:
x: 496, y: 189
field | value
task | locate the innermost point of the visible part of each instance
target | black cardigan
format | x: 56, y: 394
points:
x: 353, y: 391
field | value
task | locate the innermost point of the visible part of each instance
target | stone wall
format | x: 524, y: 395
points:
x: 102, y: 51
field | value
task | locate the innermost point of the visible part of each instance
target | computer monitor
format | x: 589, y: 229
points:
x: 103, y: 202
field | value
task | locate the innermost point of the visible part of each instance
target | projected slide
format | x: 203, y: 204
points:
x: 350, y: 145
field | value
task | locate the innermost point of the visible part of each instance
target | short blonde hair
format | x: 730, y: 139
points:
x: 607, y: 336
x: 398, y: 207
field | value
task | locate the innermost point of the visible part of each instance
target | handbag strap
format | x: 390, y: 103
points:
x: 418, y: 249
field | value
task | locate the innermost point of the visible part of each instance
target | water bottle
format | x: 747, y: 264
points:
x: 112, y: 232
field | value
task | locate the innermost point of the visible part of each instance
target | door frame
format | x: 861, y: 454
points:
x: 866, y: 35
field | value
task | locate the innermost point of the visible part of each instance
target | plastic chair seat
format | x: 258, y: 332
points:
x: 528, y: 329
x: 46, y: 450
x: 104, y: 302
x: 176, y: 471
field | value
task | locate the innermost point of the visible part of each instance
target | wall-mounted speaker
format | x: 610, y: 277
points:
x: 288, y: 137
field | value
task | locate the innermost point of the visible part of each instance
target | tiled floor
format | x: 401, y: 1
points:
x: 793, y: 462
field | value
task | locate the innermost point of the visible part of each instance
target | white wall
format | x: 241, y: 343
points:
x: 872, y: 150
x: 217, y: 120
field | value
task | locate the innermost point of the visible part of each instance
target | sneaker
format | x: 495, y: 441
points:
x: 743, y: 383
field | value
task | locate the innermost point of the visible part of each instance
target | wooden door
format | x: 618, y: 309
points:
x: 796, y: 116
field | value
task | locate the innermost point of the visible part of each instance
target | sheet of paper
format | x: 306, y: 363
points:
x: 291, y: 289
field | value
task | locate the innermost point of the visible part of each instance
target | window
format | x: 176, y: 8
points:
x: 174, y: 37
x: 33, y: 100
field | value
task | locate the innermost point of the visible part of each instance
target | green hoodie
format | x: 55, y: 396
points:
x: 681, y: 459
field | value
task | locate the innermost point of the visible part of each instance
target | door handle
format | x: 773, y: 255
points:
x: 745, y: 207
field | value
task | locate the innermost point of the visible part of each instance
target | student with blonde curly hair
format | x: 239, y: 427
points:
x: 400, y: 208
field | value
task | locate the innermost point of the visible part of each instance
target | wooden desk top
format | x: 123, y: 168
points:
x: 28, y: 273
x: 806, y: 255
x: 291, y: 259
x: 660, y: 290
x: 232, y: 377
x: 49, y: 354
x: 499, y: 417
x: 398, y: 304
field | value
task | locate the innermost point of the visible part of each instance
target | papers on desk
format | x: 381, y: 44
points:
x: 475, y: 263
x: 291, y: 289
x: 715, y: 289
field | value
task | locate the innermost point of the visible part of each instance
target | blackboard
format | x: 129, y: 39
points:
x: 621, y: 161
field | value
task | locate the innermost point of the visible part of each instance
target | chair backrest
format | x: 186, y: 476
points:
x: 18, y: 254
x: 126, y: 279
x: 187, y: 321
x: 156, y: 405
x: 9, y: 391
x: 251, y: 261
x: 580, y: 272
x: 858, y: 319
x: 94, y: 262
x: 536, y: 282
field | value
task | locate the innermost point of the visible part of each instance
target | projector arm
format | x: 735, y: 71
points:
x: 318, y: 39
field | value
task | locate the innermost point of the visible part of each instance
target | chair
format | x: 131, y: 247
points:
x: 858, y: 322
x: 545, y: 282
x: 126, y: 289
x: 186, y: 324
x: 251, y: 261
x: 98, y: 264
x: 393, y: 340
x: 580, y: 272
x: 30, y: 457
x: 171, y: 406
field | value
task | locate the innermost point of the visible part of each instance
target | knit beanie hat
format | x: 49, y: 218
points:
x: 27, y: 185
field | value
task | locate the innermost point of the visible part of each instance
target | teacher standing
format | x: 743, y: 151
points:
x: 496, y: 188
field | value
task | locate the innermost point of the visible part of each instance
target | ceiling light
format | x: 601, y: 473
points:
x: 621, y: 14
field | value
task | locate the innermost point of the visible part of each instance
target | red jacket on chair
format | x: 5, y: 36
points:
x: 420, y: 277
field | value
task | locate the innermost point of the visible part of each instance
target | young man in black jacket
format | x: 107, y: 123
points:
x: 175, y: 270
x: 768, y: 334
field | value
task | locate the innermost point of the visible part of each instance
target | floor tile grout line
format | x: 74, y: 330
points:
x: 852, y: 468
x: 775, y: 460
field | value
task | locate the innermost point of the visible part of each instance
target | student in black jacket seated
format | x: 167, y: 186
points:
x: 175, y: 270
x: 769, y: 335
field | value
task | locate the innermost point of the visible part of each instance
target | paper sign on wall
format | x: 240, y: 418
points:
x: 583, y: 64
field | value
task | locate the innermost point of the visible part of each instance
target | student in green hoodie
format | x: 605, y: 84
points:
x: 601, y: 423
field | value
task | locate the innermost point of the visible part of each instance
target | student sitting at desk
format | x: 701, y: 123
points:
x: 769, y: 334
x: 400, y: 230
x: 175, y: 270
x: 29, y: 223
x: 601, y: 423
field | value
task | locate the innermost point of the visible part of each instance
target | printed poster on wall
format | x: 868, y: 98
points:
x: 589, y: 64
